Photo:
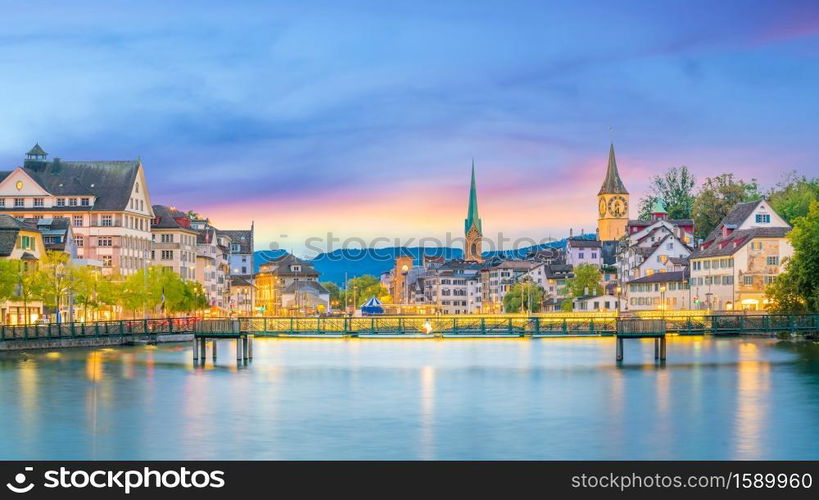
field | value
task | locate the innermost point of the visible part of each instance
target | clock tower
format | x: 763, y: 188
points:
x: 612, y: 204
x: 473, y: 234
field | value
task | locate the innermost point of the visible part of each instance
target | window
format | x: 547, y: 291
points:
x: 580, y: 255
x: 78, y: 241
x: 166, y: 238
x: 26, y: 243
x: 77, y: 220
x: 19, y: 202
x: 234, y: 248
x: 72, y: 202
x: 773, y: 260
x: 107, y: 261
x: 727, y: 280
x: 594, y: 256
x: 706, y: 264
x: 768, y: 279
x: 60, y: 202
x: 763, y: 218
x: 104, y: 242
x: 748, y: 280
x: 167, y: 254
x: 107, y: 220
x: 85, y: 202
x: 756, y: 245
x: 38, y: 202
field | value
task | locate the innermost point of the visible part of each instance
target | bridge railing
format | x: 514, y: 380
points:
x: 164, y: 326
x: 640, y: 327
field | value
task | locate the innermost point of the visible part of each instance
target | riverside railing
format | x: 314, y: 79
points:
x: 452, y: 326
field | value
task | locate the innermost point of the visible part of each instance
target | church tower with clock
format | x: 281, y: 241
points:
x: 473, y: 234
x: 612, y: 201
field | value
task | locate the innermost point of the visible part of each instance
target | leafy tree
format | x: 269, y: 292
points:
x: 715, y: 199
x: 360, y: 289
x: 523, y: 296
x: 53, y: 280
x: 9, y: 270
x: 335, y: 292
x: 26, y: 290
x: 586, y: 281
x: 676, y: 188
x: 797, y: 288
x: 792, y: 196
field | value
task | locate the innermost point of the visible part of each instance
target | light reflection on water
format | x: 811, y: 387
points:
x: 407, y: 399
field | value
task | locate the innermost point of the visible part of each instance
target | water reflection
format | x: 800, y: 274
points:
x: 362, y: 399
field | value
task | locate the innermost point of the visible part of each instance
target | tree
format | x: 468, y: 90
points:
x: 791, y: 197
x: 797, y: 288
x: 676, y: 188
x: 523, y: 296
x: 52, y: 281
x: 9, y: 270
x: 716, y: 197
x: 586, y: 281
x: 26, y: 286
x: 360, y: 289
x: 335, y: 292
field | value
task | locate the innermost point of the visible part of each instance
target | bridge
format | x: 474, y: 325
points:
x: 243, y: 330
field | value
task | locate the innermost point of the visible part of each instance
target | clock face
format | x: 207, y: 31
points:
x: 618, y: 206
x: 602, y: 207
x: 19, y: 185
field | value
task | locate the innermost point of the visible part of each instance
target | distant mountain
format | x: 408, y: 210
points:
x: 356, y: 262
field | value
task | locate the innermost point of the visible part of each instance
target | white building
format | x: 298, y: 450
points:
x: 652, y: 291
x: 583, y: 251
x: 740, y: 258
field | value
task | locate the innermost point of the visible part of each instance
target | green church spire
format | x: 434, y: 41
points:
x: 472, y: 218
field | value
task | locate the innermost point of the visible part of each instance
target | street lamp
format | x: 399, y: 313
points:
x: 404, y: 272
x: 662, y: 299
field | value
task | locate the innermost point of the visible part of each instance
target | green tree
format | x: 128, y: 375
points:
x: 792, y: 196
x: 335, y: 293
x: 676, y: 188
x: 716, y: 197
x: 360, y: 289
x: 52, y: 281
x: 27, y: 284
x: 9, y: 270
x: 525, y: 296
x: 797, y: 288
x: 586, y: 281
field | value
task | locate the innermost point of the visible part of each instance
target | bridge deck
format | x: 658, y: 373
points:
x: 422, y: 327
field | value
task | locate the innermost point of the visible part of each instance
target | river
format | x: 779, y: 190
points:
x: 715, y: 398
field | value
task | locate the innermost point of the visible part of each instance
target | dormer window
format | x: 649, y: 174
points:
x: 85, y: 202
x: 763, y: 218
x: 235, y: 248
x: 60, y: 202
x: 295, y: 268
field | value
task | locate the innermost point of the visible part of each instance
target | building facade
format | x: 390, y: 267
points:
x: 174, y: 241
x: 658, y: 291
x: 107, y: 203
x: 274, y: 294
x: 740, y: 258
x: 22, y: 243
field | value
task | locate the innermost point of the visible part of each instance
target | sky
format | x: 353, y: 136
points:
x: 362, y: 118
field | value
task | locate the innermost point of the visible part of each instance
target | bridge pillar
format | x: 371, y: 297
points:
x: 662, y: 348
x: 657, y: 348
x: 619, y: 348
x: 250, y: 348
x: 213, y: 354
x: 238, y: 348
x: 195, y: 351
x: 245, y: 347
x: 203, y: 355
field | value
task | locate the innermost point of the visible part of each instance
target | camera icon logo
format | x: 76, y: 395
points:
x: 20, y: 479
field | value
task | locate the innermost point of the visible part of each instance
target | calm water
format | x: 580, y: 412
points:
x: 407, y: 399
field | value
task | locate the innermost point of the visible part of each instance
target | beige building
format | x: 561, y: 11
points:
x: 107, y: 203
x: 174, y: 241
x: 649, y: 293
x: 213, y: 265
x: 740, y: 258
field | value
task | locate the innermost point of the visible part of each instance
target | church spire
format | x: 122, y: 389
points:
x: 612, y: 184
x: 472, y: 213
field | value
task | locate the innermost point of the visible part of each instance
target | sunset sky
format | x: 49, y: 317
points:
x: 362, y: 118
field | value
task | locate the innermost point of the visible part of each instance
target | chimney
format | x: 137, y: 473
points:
x: 725, y: 231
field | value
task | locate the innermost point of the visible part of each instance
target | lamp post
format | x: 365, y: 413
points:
x: 404, y: 272
x: 662, y: 299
